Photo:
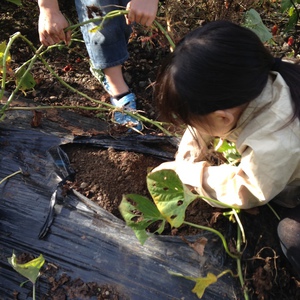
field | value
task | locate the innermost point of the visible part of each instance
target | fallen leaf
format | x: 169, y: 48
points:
x: 36, y: 119
x: 198, y: 245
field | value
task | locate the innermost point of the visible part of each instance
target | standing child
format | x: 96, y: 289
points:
x: 107, y: 48
x: 222, y: 82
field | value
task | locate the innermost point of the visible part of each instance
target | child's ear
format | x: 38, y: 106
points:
x: 226, y: 117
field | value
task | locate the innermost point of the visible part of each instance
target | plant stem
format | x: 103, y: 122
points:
x: 55, y: 107
x: 274, y: 212
x: 116, y: 13
x: 38, y: 54
x: 239, y: 264
x: 32, y: 61
x: 109, y: 107
x: 218, y: 233
x: 109, y: 15
x: 225, y: 272
x: 5, y: 55
x: 240, y: 224
x: 160, y: 27
x: 33, y: 291
x: 11, y: 175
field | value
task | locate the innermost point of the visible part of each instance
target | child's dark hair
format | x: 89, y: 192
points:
x: 218, y: 66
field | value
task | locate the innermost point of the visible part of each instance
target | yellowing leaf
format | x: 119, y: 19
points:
x: 8, y: 57
x: 2, y: 50
x: 30, y: 270
x: 95, y: 29
x: 203, y: 283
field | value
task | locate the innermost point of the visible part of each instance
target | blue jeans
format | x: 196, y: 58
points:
x: 108, y: 47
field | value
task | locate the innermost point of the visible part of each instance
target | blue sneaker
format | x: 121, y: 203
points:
x: 127, y: 103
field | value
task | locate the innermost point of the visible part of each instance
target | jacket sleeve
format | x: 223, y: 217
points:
x: 193, y: 146
x: 264, y: 171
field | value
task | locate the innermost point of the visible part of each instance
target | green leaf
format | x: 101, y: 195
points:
x: 201, y: 282
x: 254, y: 22
x: 28, y: 81
x: 139, y: 213
x: 291, y: 11
x: 293, y: 19
x: 17, y: 2
x: 30, y: 270
x: 285, y: 5
x: 228, y: 150
x: 170, y: 195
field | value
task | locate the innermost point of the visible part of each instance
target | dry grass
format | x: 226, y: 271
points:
x: 179, y: 16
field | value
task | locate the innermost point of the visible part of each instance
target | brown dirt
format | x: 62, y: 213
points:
x: 122, y: 172
x: 105, y: 175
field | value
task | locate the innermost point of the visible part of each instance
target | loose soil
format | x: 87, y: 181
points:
x: 104, y: 175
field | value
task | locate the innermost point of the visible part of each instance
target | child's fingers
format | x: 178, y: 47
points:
x: 68, y: 37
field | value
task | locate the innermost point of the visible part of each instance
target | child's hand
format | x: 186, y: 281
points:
x: 170, y: 165
x: 142, y: 11
x: 51, y: 27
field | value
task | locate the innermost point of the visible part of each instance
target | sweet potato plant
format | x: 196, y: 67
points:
x: 170, y: 201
